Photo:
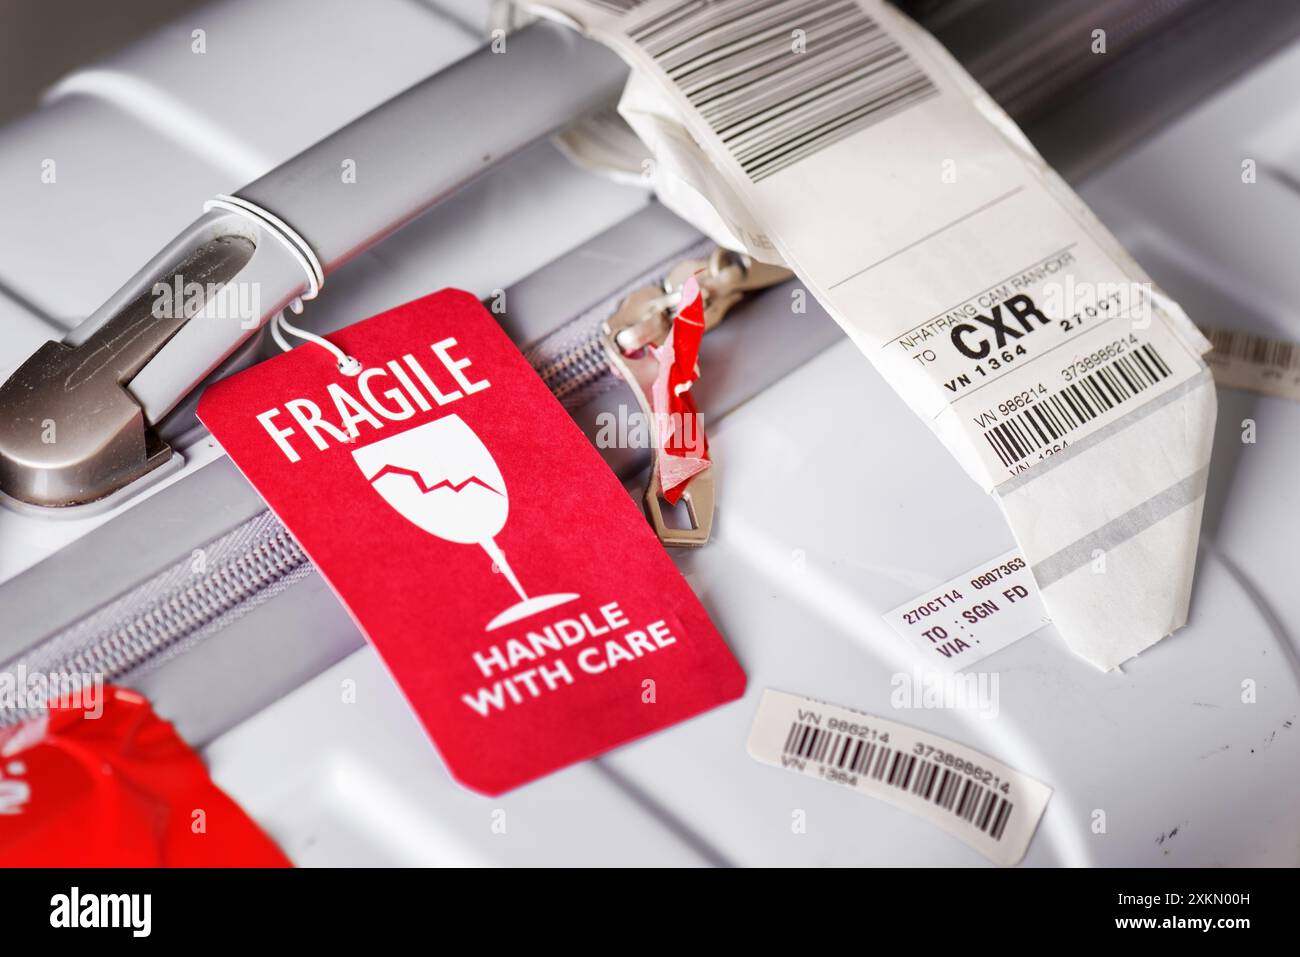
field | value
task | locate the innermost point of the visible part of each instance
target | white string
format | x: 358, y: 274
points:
x: 301, y: 250
x: 277, y: 335
x: 298, y: 247
x: 280, y: 325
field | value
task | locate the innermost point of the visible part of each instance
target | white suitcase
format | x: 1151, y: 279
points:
x: 819, y: 528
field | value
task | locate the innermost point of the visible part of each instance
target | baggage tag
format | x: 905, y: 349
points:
x: 498, y: 566
x: 840, y: 139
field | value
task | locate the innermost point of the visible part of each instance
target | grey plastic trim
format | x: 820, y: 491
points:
x: 437, y: 136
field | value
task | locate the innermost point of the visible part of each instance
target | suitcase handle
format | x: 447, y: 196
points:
x: 414, y: 150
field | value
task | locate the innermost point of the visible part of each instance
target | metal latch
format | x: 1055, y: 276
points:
x: 71, y: 432
x: 645, y: 319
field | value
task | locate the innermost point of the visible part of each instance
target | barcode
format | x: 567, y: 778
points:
x: 974, y: 803
x: 1060, y: 413
x: 1253, y: 349
x: 778, y: 80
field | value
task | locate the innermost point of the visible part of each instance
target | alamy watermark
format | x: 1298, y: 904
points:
x: 1086, y: 301
x: 936, y: 690
x: 179, y: 299
x: 25, y: 693
x: 633, y: 429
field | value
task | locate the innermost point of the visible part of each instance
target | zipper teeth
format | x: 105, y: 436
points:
x: 185, y: 613
x: 576, y: 372
x: 159, y: 616
x: 254, y: 561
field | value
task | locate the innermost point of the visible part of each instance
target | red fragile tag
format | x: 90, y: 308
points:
x: 501, y: 570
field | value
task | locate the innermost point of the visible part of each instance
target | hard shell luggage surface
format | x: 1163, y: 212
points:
x: 833, y: 505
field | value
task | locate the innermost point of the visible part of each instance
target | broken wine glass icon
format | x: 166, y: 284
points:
x: 442, y: 478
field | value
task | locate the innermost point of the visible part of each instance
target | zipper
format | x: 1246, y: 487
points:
x: 195, y: 598
x: 572, y: 360
x: 644, y: 319
x: 163, y: 616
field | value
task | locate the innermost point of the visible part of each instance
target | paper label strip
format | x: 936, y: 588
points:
x: 982, y: 802
x: 1254, y: 363
x: 845, y: 141
x: 970, y: 617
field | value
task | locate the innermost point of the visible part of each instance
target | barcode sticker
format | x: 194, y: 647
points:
x: 1240, y: 360
x: 732, y: 60
x: 991, y: 807
x: 960, y: 622
x: 1053, y: 416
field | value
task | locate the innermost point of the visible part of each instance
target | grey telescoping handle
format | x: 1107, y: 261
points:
x: 112, y: 379
x: 425, y: 143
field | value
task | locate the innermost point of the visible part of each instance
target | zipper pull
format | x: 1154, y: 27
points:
x: 644, y: 319
x: 645, y: 316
